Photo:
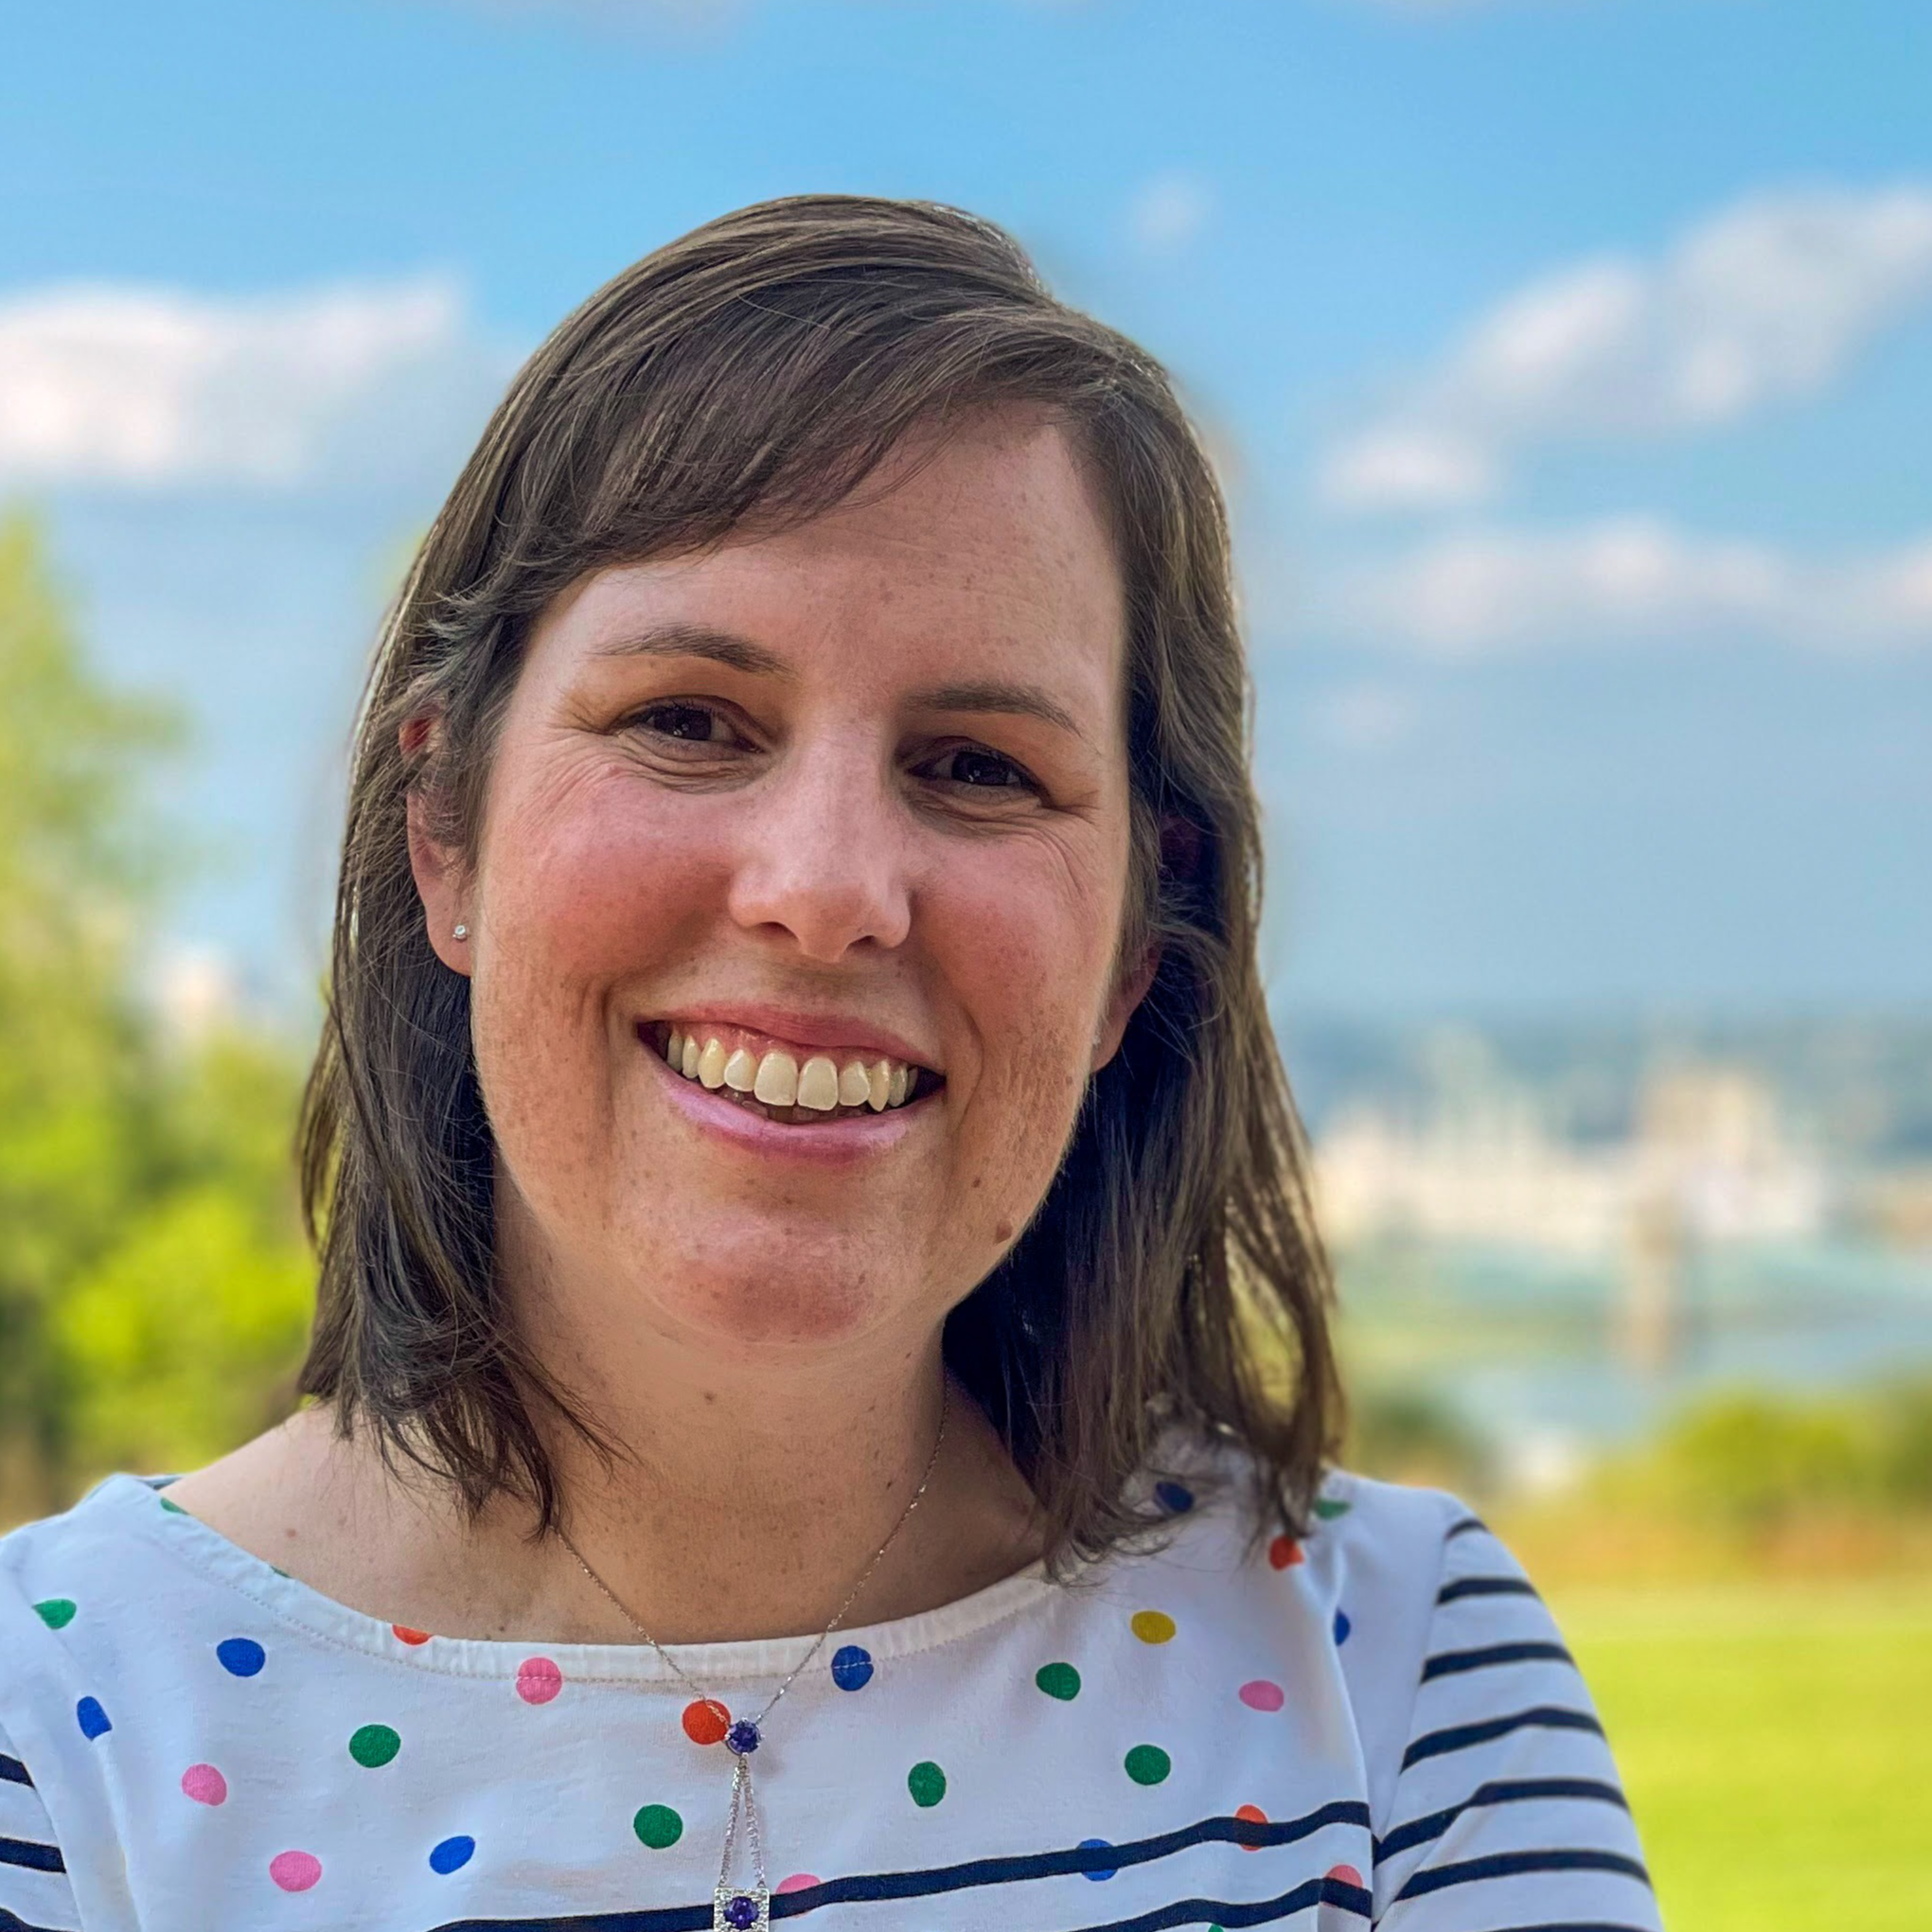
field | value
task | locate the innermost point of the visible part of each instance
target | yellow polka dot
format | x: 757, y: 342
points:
x: 1153, y: 1626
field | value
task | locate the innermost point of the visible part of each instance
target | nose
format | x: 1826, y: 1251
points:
x: 823, y: 857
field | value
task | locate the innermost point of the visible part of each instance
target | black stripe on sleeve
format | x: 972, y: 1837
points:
x: 1458, y: 1737
x: 24, y: 1852
x: 1509, y: 1864
x: 1485, y: 1587
x: 1502, y: 1791
x: 1462, y: 1526
x: 12, y: 1771
x: 1449, y: 1663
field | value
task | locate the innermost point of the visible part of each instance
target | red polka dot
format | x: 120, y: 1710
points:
x: 409, y: 1635
x: 295, y: 1871
x: 1283, y: 1552
x: 1262, y: 1694
x: 204, y: 1784
x: 1344, y: 1874
x: 706, y: 1721
x: 1255, y: 1816
x: 797, y: 1882
x: 538, y: 1680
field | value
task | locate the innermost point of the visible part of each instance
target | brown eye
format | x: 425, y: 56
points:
x: 983, y: 770
x: 690, y: 722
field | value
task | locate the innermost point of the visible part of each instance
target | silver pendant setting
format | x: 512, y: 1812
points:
x: 741, y: 1908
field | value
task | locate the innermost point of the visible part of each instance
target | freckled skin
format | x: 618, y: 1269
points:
x: 815, y: 840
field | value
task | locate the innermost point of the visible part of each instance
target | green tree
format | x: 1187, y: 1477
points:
x: 153, y: 1284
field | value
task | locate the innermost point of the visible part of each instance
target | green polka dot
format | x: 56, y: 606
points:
x: 927, y: 1783
x: 374, y: 1745
x: 56, y: 1612
x: 1058, y: 1680
x: 1327, y: 1508
x: 175, y: 1506
x: 1148, y: 1764
x: 658, y: 1826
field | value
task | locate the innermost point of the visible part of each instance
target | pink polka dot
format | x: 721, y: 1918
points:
x: 538, y: 1680
x: 204, y: 1784
x: 1344, y: 1874
x: 1262, y: 1696
x: 295, y: 1871
x: 797, y: 1882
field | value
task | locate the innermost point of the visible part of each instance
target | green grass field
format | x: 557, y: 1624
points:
x: 1775, y: 1743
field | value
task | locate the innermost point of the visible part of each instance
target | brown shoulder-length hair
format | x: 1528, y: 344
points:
x: 755, y: 372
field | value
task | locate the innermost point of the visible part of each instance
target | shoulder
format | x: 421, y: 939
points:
x: 1494, y: 1787
x: 1493, y: 1793
x: 90, y: 1601
x: 39, y: 1559
x: 90, y: 1537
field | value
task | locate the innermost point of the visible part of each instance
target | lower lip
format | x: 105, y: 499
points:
x: 842, y: 1141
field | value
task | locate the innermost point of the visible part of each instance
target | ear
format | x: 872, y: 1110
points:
x: 1181, y: 851
x: 441, y: 881
x: 1127, y: 996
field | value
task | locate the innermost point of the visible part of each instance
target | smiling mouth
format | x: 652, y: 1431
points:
x: 857, y: 1088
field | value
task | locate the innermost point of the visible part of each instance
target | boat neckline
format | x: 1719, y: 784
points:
x: 138, y: 1505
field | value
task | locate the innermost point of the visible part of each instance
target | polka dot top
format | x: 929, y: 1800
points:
x: 1375, y: 1725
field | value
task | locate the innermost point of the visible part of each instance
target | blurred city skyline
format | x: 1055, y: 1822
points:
x: 1569, y: 364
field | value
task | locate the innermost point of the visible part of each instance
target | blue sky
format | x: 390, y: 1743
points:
x: 1569, y: 361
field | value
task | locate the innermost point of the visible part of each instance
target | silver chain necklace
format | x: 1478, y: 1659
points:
x: 748, y: 1907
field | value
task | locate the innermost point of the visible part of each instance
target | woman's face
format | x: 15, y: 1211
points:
x: 854, y: 794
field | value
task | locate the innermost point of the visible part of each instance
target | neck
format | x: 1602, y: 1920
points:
x: 743, y: 1510
x: 748, y: 1495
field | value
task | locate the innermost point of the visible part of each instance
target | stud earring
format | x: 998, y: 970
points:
x: 462, y: 933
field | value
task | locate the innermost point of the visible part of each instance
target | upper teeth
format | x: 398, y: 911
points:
x: 776, y: 1077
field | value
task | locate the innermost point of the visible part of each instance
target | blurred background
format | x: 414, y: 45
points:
x: 1569, y: 364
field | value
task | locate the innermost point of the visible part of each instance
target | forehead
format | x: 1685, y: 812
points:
x: 991, y: 545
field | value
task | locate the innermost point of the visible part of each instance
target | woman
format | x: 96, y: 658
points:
x: 820, y: 1394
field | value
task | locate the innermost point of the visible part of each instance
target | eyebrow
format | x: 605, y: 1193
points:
x: 741, y: 654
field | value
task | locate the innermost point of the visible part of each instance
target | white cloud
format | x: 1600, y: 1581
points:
x: 1169, y: 211
x: 153, y: 387
x: 1632, y: 580
x: 1366, y: 718
x: 1766, y: 302
x: 1400, y: 464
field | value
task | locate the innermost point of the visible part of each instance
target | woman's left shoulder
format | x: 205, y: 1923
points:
x: 1493, y: 1787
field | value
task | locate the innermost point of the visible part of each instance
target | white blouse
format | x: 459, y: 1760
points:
x: 1379, y: 1724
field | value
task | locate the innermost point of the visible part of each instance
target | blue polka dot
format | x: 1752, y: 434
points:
x: 852, y: 1667
x: 90, y: 1717
x: 1099, y: 1845
x: 1175, y: 1498
x: 451, y: 1854
x: 1342, y: 1627
x: 241, y: 1656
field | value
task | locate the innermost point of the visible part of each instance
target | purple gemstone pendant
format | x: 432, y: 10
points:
x: 742, y: 1737
x: 736, y: 1909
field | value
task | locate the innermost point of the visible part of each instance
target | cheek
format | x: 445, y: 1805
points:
x: 594, y: 881
x: 591, y: 894
x: 1026, y: 956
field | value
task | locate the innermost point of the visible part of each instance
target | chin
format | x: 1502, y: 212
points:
x: 794, y: 1306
